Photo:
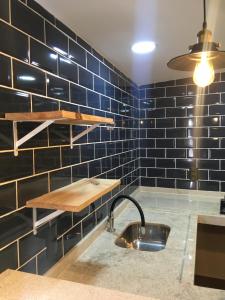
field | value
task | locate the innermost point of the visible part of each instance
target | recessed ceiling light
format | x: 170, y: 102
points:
x: 143, y: 47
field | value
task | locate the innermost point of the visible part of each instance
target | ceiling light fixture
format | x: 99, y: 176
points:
x: 143, y: 47
x: 202, y: 58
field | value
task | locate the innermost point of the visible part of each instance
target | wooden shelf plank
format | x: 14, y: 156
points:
x: 60, y: 117
x: 76, y: 196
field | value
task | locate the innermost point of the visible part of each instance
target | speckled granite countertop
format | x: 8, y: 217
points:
x: 16, y: 285
x: 165, y: 275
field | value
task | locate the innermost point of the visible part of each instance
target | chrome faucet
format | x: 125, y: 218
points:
x: 110, y: 221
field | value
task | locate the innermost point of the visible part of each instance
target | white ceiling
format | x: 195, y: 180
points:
x: 112, y: 26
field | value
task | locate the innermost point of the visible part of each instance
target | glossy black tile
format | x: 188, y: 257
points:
x: 5, y: 75
x: 185, y: 143
x: 88, y: 224
x: 208, y: 121
x: 93, y: 99
x: 6, y: 136
x: 217, y: 153
x: 78, y: 94
x: 104, y: 71
x: 94, y: 168
x: 15, y: 225
x: 57, y: 88
x: 167, y: 183
x: 85, y: 78
x: 175, y: 153
x: 4, y: 10
x: 216, y: 132
x: 217, y: 175
x: 93, y: 64
x: 43, y: 57
x: 165, y: 83
x: 165, y: 123
x: 217, y: 87
x: 71, y: 238
x: 13, y: 167
x: 147, y: 181
x: 176, y: 91
x: 185, y: 184
x: 68, y: 69
x: 165, y: 163
x: 186, y: 122
x: 176, y: 112
x: 156, y: 152
x: 29, y: 267
x: 7, y: 198
x: 46, y: 159
x: 155, y: 172
x: 208, y: 164
x: 70, y: 156
x: 77, y: 53
x: 165, y: 102
x: 13, y: 101
x: 176, y: 133
x: 84, y: 44
x: 208, y: 143
x: 13, y: 42
x: 147, y: 162
x: 185, y: 163
x: 175, y: 173
x: 87, y: 152
x: 66, y: 29
x: 80, y: 172
x: 60, y: 178
x: 147, y: 104
x: 8, y: 258
x: 27, y: 20
x: 39, y: 140
x: 155, y: 92
x: 56, y: 39
x: 59, y: 134
x: 43, y: 104
x: 165, y: 143
x: 208, y: 185
x: 101, y: 213
x: 31, y: 188
x: 99, y: 85
x: 155, y: 133
x: 28, y: 78
x: 29, y: 246
x: 39, y: 9
x: 49, y: 257
x: 217, y: 110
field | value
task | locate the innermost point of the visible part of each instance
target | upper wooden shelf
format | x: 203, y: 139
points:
x: 76, y: 196
x: 59, y: 117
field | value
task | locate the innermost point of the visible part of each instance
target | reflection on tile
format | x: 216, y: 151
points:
x: 57, y: 88
x: 5, y: 67
x: 28, y: 78
x: 42, y: 57
x: 56, y: 39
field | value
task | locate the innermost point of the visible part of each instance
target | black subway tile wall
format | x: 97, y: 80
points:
x: 182, y: 127
x: 46, y: 67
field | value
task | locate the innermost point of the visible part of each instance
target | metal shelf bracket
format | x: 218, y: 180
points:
x: 38, y: 223
x: 77, y: 137
x: 28, y: 136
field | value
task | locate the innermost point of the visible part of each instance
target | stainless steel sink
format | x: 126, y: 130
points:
x: 151, y: 238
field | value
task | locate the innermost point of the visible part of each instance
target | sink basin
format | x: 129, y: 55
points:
x: 151, y: 238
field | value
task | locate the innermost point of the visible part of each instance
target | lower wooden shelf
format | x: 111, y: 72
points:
x: 76, y: 196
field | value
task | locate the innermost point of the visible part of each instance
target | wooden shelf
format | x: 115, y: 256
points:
x: 75, y: 197
x: 59, y: 117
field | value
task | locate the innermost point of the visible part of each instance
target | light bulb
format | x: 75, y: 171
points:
x: 204, y: 72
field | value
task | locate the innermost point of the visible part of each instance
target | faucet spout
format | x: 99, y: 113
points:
x: 110, y: 222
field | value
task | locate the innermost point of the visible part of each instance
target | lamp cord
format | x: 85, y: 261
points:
x: 204, y: 9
